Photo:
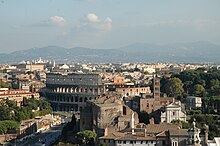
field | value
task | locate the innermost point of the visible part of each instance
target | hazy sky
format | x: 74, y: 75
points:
x: 104, y: 24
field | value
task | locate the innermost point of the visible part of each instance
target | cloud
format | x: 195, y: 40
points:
x: 52, y: 21
x: 108, y: 23
x: 93, y: 22
x: 57, y: 20
x: 91, y: 17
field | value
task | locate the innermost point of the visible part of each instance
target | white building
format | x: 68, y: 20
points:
x: 193, y: 102
x: 173, y: 112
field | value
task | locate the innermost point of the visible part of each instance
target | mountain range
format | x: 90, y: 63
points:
x: 195, y: 52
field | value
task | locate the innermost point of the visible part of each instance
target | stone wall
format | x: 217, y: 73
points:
x: 69, y: 92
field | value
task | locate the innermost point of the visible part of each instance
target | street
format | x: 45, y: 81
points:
x: 45, y: 138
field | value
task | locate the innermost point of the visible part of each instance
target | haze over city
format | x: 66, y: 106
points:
x: 105, y: 24
x: 109, y: 73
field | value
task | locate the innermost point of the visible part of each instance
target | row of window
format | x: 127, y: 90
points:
x: 134, y: 142
x: 74, y: 90
x: 71, y: 99
x: 129, y: 142
x: 76, y: 79
x: 137, y: 90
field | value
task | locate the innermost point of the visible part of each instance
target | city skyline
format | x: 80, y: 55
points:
x: 106, y: 24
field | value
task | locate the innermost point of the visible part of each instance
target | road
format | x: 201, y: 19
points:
x: 45, y: 138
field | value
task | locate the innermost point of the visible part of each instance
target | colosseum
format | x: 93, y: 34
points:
x: 69, y: 92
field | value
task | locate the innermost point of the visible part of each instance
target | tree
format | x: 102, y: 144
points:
x: 177, y: 122
x: 214, y: 87
x: 87, y: 136
x: 188, y: 86
x: 7, y: 125
x: 3, y: 129
x: 144, y: 117
x: 4, y: 84
x: 10, y: 103
x: 174, y: 87
x: 199, y: 90
x: 4, y: 113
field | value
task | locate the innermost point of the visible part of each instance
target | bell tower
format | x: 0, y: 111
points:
x: 156, y: 88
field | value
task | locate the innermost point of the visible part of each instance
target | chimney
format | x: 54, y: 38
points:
x: 132, y: 123
x: 106, y: 131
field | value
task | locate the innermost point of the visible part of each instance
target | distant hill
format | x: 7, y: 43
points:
x: 196, y: 52
x: 63, y: 55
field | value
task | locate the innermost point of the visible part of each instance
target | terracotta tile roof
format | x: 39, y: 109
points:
x: 128, y: 136
x: 179, y: 132
x: 136, y: 137
x: 157, y: 128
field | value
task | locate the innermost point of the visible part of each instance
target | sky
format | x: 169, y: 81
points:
x: 104, y: 24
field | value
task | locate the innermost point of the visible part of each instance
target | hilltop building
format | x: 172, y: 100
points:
x: 193, y: 102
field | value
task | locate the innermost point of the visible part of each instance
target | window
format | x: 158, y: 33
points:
x: 119, y: 141
x: 174, y: 143
x: 76, y: 99
x: 131, y: 142
x: 124, y: 142
x: 164, y: 142
x: 124, y: 110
